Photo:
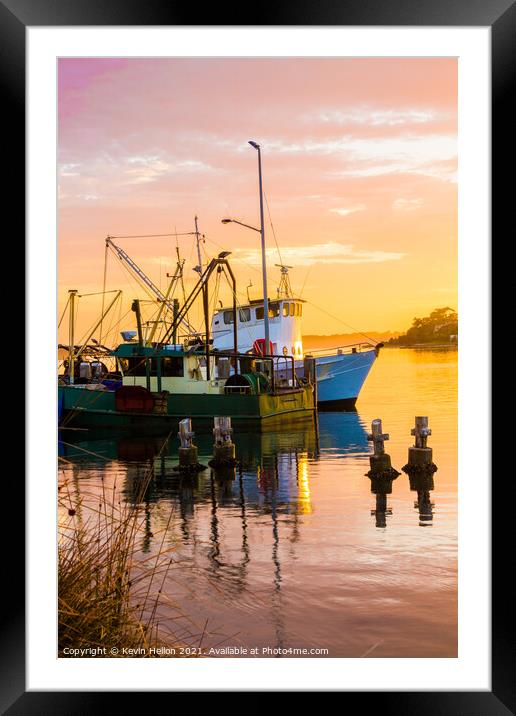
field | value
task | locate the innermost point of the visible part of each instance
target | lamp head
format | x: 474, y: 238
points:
x: 254, y: 144
x: 226, y: 221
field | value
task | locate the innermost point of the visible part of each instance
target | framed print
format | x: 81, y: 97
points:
x: 253, y: 243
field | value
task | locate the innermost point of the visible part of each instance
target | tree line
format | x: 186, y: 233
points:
x: 441, y: 326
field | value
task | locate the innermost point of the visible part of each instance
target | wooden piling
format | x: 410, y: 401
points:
x: 420, y: 456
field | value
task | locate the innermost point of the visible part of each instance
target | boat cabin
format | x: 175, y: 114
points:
x: 284, y: 326
x: 170, y: 367
x: 177, y: 369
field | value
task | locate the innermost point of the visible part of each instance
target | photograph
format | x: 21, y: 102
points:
x: 257, y: 357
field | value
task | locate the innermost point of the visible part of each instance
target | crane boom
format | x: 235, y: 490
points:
x: 124, y: 256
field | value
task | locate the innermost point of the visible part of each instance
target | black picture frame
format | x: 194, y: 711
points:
x: 500, y: 16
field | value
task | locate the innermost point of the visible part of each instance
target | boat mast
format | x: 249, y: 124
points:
x: 71, y: 336
x: 166, y: 302
x: 205, y: 301
x: 197, y: 238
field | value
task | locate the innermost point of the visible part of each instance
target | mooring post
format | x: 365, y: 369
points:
x: 223, y: 446
x: 188, y: 458
x: 421, y: 431
x: 420, y: 455
x: 377, y: 437
x: 381, y: 474
x: 380, y: 461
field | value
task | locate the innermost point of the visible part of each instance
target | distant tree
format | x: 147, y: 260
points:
x: 435, y: 328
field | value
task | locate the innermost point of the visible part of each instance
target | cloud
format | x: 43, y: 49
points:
x: 327, y: 253
x: 348, y: 210
x: 149, y: 168
x: 67, y: 170
x: 380, y: 117
x: 432, y: 155
x: 407, y: 204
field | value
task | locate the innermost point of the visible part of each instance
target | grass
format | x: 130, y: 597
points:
x: 104, y: 601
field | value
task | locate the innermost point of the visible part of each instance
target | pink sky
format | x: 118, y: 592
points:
x: 359, y: 162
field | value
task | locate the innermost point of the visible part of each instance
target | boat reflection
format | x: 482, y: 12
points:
x: 343, y: 434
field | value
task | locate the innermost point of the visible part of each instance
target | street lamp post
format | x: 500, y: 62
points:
x: 264, y: 262
x: 261, y: 231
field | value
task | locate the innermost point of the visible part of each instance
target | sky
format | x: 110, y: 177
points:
x: 359, y: 160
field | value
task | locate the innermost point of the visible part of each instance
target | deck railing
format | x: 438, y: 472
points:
x: 340, y: 350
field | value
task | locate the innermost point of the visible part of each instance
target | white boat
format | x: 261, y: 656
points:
x: 341, y: 371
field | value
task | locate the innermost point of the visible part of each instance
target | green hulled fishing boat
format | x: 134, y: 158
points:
x: 163, y: 382
x: 168, y: 384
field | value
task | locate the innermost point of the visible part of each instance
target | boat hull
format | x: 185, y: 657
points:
x: 341, y: 377
x: 97, y: 408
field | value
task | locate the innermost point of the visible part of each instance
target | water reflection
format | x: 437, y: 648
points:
x: 273, y: 476
x: 294, y: 546
x: 381, y: 486
x: 343, y: 434
x: 423, y: 485
x: 274, y: 470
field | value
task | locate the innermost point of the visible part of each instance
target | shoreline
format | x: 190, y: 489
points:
x: 430, y: 346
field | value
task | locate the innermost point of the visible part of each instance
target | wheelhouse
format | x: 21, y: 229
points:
x: 284, y: 325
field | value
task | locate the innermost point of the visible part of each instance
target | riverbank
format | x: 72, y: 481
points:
x: 426, y: 346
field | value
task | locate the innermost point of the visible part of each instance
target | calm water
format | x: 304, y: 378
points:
x: 290, y: 550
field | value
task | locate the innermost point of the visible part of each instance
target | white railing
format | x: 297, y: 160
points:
x: 340, y: 350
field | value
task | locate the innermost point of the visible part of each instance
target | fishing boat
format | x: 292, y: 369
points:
x: 340, y: 371
x: 163, y: 382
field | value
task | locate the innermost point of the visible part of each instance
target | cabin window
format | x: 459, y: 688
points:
x: 172, y: 367
x: 274, y: 310
x: 134, y: 366
x: 285, y: 310
x: 292, y: 309
x: 300, y: 309
x: 244, y: 315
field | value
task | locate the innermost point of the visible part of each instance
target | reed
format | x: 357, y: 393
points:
x: 104, y: 600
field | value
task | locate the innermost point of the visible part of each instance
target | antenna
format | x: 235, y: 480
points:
x: 284, y: 288
x: 199, y: 237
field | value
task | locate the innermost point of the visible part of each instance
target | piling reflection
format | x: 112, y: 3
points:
x: 423, y: 485
x: 381, y: 486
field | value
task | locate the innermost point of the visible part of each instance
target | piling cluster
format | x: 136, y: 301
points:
x: 420, y: 469
x: 224, y: 453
